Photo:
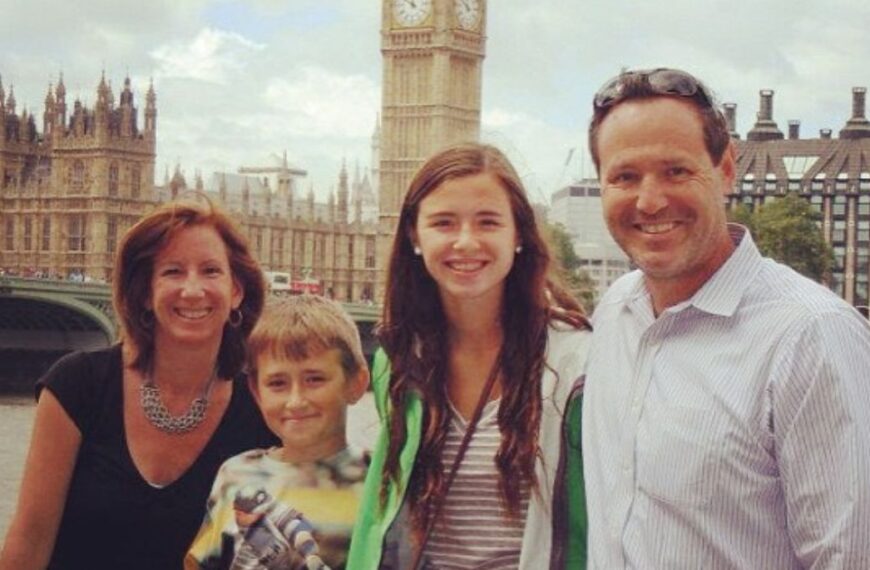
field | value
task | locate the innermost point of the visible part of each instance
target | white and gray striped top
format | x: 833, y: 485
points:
x: 733, y: 431
x: 474, y: 530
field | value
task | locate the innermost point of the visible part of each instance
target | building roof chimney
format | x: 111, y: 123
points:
x: 825, y: 133
x: 794, y: 130
x: 731, y: 119
x: 765, y: 128
x: 858, y: 127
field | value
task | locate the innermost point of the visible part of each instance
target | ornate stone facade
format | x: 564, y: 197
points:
x: 68, y: 193
x: 331, y: 244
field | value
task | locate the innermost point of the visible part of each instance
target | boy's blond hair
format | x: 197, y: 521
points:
x: 298, y: 327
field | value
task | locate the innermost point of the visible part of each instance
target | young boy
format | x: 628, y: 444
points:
x: 292, y: 507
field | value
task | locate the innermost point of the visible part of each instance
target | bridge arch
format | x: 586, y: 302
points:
x: 52, y: 322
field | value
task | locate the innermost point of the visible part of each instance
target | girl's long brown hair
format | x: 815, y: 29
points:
x: 412, y: 333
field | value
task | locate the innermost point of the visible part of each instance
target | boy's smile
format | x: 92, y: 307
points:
x: 304, y: 402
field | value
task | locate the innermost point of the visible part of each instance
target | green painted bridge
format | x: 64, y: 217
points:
x: 56, y: 315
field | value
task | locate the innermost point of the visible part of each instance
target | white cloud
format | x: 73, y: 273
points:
x: 316, y: 102
x: 238, y: 80
x: 213, y: 56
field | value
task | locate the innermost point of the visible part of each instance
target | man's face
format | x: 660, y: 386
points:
x: 662, y: 195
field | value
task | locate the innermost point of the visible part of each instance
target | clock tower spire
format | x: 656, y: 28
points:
x: 433, y: 54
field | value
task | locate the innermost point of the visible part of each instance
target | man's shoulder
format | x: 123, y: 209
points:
x: 779, y: 284
x: 620, y: 291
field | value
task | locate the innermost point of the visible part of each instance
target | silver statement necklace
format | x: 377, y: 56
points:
x: 161, y: 418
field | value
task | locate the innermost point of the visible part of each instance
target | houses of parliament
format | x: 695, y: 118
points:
x: 71, y: 190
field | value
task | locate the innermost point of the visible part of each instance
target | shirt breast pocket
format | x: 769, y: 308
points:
x: 676, y: 456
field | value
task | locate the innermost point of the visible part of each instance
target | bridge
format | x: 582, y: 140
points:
x: 41, y: 319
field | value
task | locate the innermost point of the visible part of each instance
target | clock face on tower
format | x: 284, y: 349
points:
x: 411, y: 12
x: 467, y: 13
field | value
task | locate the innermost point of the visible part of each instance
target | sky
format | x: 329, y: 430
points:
x: 240, y: 82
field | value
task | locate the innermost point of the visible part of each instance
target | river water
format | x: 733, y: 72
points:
x: 16, y: 422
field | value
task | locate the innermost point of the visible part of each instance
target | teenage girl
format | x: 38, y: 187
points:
x: 471, y: 302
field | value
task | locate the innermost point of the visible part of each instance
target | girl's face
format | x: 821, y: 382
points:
x: 192, y: 288
x: 466, y: 232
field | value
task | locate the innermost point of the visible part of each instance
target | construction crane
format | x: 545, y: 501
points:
x: 284, y: 172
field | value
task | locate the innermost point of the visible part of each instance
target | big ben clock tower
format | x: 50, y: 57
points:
x: 433, y: 54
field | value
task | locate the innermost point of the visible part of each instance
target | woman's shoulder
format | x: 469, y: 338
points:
x: 567, y: 347
x: 563, y: 337
x: 83, y: 366
x: 84, y: 382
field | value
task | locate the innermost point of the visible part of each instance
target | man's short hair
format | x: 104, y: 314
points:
x: 661, y: 82
x: 299, y: 327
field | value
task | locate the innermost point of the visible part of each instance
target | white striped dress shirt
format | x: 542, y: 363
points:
x: 733, y: 431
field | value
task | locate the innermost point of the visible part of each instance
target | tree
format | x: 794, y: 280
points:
x: 568, y: 262
x: 787, y: 231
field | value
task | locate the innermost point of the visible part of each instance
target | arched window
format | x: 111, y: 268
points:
x: 135, y: 182
x: 77, y: 178
x: 113, y: 179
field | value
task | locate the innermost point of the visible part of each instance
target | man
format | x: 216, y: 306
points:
x: 726, y: 419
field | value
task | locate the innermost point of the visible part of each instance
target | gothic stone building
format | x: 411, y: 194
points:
x: 332, y: 244
x: 833, y: 174
x: 69, y: 192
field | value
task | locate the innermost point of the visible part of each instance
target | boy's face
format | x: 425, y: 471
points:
x: 304, y: 402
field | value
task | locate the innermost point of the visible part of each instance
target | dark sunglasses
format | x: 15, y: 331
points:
x: 663, y: 81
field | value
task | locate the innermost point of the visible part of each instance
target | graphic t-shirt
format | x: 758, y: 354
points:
x: 267, y: 514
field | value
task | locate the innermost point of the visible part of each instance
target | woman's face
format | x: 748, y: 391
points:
x: 192, y: 288
x: 466, y: 232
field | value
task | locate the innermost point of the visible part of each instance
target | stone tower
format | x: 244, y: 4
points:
x: 67, y: 194
x: 432, y: 60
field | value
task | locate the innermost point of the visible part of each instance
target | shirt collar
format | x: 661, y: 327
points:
x: 721, y: 294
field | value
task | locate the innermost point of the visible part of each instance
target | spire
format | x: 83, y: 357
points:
x: 310, y: 201
x: 49, y: 115
x: 10, y: 101
x: 150, y: 109
x: 60, y: 105
x: 104, y: 92
x: 127, y: 93
x: 342, y: 212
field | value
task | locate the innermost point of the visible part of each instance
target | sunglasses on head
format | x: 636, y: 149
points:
x: 662, y: 81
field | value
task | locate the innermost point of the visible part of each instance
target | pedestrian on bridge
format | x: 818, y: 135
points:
x: 127, y: 440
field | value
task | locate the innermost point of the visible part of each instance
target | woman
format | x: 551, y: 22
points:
x: 469, y: 299
x: 127, y: 440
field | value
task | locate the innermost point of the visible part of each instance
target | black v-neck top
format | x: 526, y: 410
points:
x: 113, y: 518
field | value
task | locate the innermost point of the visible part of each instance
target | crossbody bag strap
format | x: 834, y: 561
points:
x: 463, y: 447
